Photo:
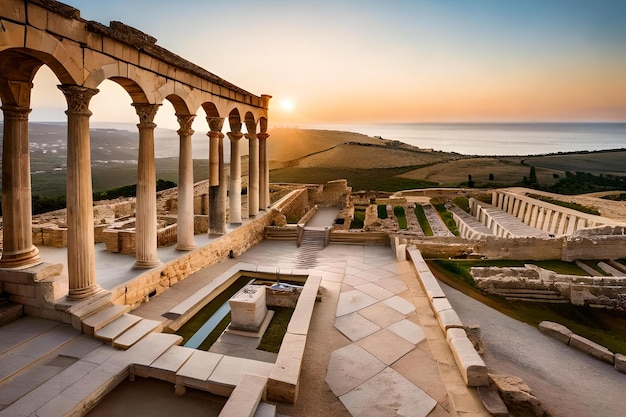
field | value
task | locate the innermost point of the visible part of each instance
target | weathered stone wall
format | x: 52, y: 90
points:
x: 604, y: 292
x: 297, y: 205
x: 332, y: 194
x: 597, y: 247
x: 159, y: 279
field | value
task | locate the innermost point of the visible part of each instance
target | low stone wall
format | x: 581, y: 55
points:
x: 157, y: 280
x: 332, y: 194
x: 564, y: 335
x: 470, y: 364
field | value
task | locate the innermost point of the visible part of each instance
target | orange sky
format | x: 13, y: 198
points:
x: 400, y: 61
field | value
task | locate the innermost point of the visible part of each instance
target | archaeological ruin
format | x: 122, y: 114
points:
x: 118, y: 279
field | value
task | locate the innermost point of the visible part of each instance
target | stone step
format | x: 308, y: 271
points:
x: 529, y: 292
x: 23, y: 355
x: 136, y: 333
x: 539, y: 300
x: 10, y: 312
x: 117, y: 327
x: 47, y: 367
x: 101, y: 318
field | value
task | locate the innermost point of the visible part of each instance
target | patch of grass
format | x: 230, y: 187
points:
x: 615, y: 197
x: 381, y: 179
x: 573, y: 206
x: 605, y: 327
x: 423, y: 221
x: 382, y: 211
x: 401, y: 217
x: 275, y: 333
x: 447, y: 218
x: 359, y: 219
x: 462, y: 202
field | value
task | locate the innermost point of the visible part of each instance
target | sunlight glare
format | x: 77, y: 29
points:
x: 287, y: 105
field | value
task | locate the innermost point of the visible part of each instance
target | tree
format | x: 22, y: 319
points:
x: 470, y: 182
x: 532, y: 177
x: 491, y: 177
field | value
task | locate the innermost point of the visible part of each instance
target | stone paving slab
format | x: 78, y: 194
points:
x: 349, y: 367
x: 381, y: 314
x: 393, y: 284
x: 386, y: 346
x: 198, y: 368
x: 351, y: 301
x: 388, y: 394
x: 119, y: 326
x: 408, y: 330
x: 375, y: 291
x: 230, y: 370
x: 22, y: 330
x: 355, y: 327
x: 400, y: 304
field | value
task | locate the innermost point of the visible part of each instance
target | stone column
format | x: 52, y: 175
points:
x: 18, y: 249
x: 264, y: 171
x: 145, y: 207
x: 253, y: 173
x: 185, y: 222
x: 81, y: 259
x: 217, y: 206
x: 234, y: 200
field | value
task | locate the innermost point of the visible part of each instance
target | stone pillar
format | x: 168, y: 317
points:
x: 264, y: 171
x: 81, y: 259
x: 185, y: 222
x: 253, y: 172
x: 217, y: 206
x: 145, y: 208
x: 234, y: 200
x: 18, y: 249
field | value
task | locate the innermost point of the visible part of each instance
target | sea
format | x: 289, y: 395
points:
x: 495, y: 138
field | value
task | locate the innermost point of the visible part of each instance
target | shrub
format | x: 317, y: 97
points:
x: 401, y: 216
x: 382, y: 211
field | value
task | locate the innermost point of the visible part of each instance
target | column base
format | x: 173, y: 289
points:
x: 20, y: 259
x: 146, y: 264
x: 82, y: 293
x: 186, y: 247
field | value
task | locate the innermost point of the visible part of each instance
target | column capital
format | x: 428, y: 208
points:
x: 263, y: 136
x: 250, y: 136
x: 185, y: 121
x: 234, y: 136
x: 215, y: 123
x: 15, y: 112
x: 146, y: 113
x: 78, y: 99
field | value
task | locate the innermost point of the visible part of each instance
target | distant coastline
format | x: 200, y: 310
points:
x: 496, y: 139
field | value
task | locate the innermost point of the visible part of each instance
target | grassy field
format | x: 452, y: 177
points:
x: 605, y: 162
x: 384, y: 179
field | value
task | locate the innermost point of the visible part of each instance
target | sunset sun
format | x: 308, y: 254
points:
x: 287, y: 105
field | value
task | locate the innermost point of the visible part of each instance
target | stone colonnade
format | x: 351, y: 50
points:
x: 19, y: 251
x: 550, y: 218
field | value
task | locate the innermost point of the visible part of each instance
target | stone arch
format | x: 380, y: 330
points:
x: 210, y: 109
x: 18, y: 66
x: 234, y: 120
x: 250, y: 122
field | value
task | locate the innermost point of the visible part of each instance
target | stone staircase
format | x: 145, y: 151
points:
x: 109, y: 322
x: 532, y: 295
x: 313, y: 241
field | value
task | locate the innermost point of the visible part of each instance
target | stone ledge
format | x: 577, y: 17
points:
x: 470, y: 364
x: 283, y: 380
x: 620, y: 362
x: 591, y: 348
x: 556, y: 331
x: 246, y: 397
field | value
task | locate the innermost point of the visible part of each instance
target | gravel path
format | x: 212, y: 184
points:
x: 568, y: 382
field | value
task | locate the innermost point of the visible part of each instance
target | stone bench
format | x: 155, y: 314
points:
x: 426, y: 277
